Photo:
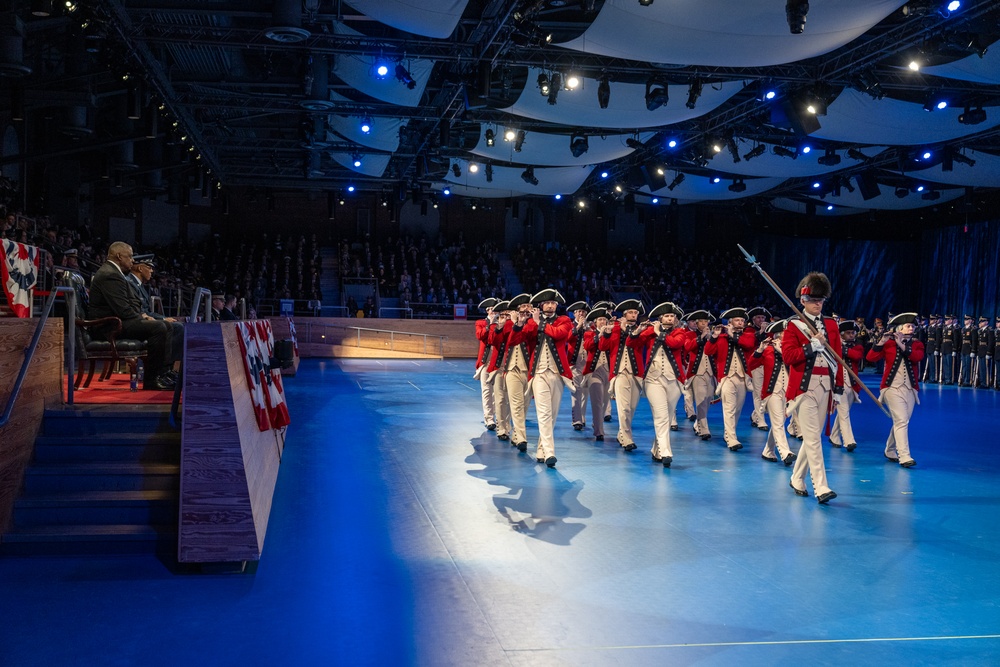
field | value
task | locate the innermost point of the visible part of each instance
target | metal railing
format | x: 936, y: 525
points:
x: 29, y: 352
x: 407, y: 312
x: 363, y: 337
x: 200, y: 292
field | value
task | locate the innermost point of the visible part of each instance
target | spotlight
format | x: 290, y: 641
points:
x: 831, y: 159
x: 578, y: 144
x: 381, y: 69
x: 571, y: 81
x: 972, y: 116
x: 645, y: 3
x: 405, y: 77
x: 829, y: 207
x: 694, y: 92
x: 558, y: 197
x: 604, y: 92
x: 756, y: 151
x: 817, y: 185
x: 554, y: 88
x: 489, y: 172
x: 914, y: 65
x: 633, y: 143
x: 655, y: 200
x: 866, y: 82
x: 846, y: 183
x: 604, y: 174
x: 926, y: 155
x: 734, y: 150
x: 656, y: 94
x: 519, y: 141
x: 672, y: 143
x: 795, y: 14
x: 491, y: 138
x: 455, y: 169
x: 902, y: 192
x: 770, y: 94
x: 805, y: 149
x: 445, y: 192
x: 953, y: 6
x: 781, y: 151
x: 935, y: 101
x: 509, y: 134
x: 473, y: 168
x: 350, y: 188
x: 966, y: 43
x: 543, y: 84
x: 528, y: 176
x: 356, y: 159
x: 716, y: 179
x: 581, y: 203
x: 738, y: 185
x: 855, y: 154
x: 366, y: 124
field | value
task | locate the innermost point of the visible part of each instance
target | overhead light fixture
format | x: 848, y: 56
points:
x: 554, y: 88
x: 781, y: 151
x: 867, y: 82
x: 571, y: 81
x: 633, y: 143
x: 604, y: 91
x: 694, y: 92
x: 902, y: 192
x: 356, y: 159
x: 966, y: 43
x: 935, y: 101
x: 404, y: 77
x: 831, y: 159
x: 509, y: 134
x: 366, y: 124
x: 489, y: 172
x: 972, y: 116
x: 578, y: 144
x: 381, y: 69
x: 678, y: 179
x: 528, y: 176
x: 756, y: 151
x: 795, y: 14
x: 734, y: 150
x: 457, y: 170
x: 491, y: 138
x: 519, y: 141
x: 855, y: 154
x: 645, y: 3
x: 543, y: 84
x: 656, y: 94
x: 473, y: 168
x: 738, y: 185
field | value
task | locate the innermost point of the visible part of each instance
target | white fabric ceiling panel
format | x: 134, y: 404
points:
x: 431, y: 18
x: 626, y: 105
x: 856, y: 118
x: 371, y: 165
x: 551, y: 180
x: 552, y: 150
x: 971, y: 68
x: 384, y: 135
x: 985, y: 173
x: 358, y: 72
x: 750, y: 33
x: 770, y: 164
x: 888, y: 199
x: 796, y: 206
x: 481, y: 193
x: 702, y: 188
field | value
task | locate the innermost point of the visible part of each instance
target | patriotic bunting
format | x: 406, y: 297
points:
x: 263, y: 382
x: 19, y: 270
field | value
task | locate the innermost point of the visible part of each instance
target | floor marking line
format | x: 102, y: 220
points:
x: 466, y: 386
x: 414, y: 386
x: 359, y: 385
x: 786, y: 642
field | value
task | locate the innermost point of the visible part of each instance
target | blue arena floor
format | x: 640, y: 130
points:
x: 403, y: 532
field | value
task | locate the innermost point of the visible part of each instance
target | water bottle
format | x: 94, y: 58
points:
x: 133, y: 384
x: 142, y: 373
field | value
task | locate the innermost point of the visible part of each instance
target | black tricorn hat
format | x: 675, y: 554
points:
x: 849, y: 325
x: 815, y: 285
x: 759, y: 310
x: 491, y: 302
x: 630, y: 304
x: 547, y: 295
x: 699, y: 315
x: 776, y: 327
x: 598, y: 312
x: 519, y: 300
x: 733, y: 312
x: 902, y: 318
x: 604, y: 304
x: 666, y: 308
x: 577, y: 305
x: 501, y: 306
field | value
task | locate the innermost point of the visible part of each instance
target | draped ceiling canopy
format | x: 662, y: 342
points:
x: 600, y: 93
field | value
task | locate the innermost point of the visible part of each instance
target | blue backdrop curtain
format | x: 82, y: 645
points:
x: 961, y: 270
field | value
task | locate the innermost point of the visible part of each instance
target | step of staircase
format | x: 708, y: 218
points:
x: 147, y: 507
x: 91, y: 539
x: 101, y: 476
x: 139, y: 447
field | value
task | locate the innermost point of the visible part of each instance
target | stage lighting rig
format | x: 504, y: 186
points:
x: 678, y: 179
x: 756, y: 151
x: 831, y: 159
x: 604, y: 91
x: 656, y: 94
x: 578, y: 144
x: 404, y: 77
x: 694, y: 92
x: 795, y: 14
x: 528, y: 176
x: 972, y: 116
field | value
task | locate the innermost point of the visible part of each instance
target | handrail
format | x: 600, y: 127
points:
x: 409, y: 311
x: 29, y: 352
x: 196, y: 302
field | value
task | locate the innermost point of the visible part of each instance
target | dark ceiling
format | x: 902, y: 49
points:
x: 161, y: 96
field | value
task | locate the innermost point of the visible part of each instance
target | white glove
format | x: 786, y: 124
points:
x: 816, y: 344
x: 837, y: 398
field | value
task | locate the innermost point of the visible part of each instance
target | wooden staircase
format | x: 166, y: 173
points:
x: 103, y: 479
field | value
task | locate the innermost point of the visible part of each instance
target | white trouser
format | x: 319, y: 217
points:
x: 598, y: 388
x: 842, y: 433
x: 811, y: 411
x: 774, y: 406
x: 900, y: 401
x: 486, y: 388
x: 688, y: 394
x: 501, y: 403
x: 517, y: 383
x: 703, y: 388
x: 757, y: 378
x: 733, y: 393
x: 662, y: 394
x: 626, y: 389
x: 580, y: 392
x: 547, y: 389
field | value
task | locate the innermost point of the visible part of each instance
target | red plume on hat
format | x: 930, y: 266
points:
x: 815, y: 285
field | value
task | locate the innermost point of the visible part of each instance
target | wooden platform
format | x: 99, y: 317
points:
x: 386, y: 338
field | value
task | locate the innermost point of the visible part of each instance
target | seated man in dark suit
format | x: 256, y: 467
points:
x: 111, y: 295
x: 142, y: 271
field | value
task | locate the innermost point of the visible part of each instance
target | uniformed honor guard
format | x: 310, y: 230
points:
x: 665, y: 342
x: 550, y: 371
x: 985, y: 343
x: 812, y: 375
x: 498, y: 342
x: 932, y: 350
x: 901, y: 353
x: 686, y: 392
x: 578, y: 359
x: 520, y: 346
x: 610, y: 308
x: 996, y: 352
x: 852, y: 352
x: 483, y: 333
x: 968, y: 352
x: 731, y: 372
x: 596, y: 370
x: 701, y: 371
x: 772, y: 392
x: 949, y: 347
x: 760, y: 317
x: 621, y: 339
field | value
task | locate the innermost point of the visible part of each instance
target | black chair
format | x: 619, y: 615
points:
x: 97, y: 340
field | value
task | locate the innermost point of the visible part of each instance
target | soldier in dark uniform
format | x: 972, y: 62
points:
x: 985, y: 342
x: 996, y: 352
x: 968, y: 351
x: 947, y: 373
x: 932, y: 350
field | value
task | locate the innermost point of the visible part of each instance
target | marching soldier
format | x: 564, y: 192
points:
x: 577, y: 360
x: 520, y: 347
x: 985, y: 342
x: 689, y: 411
x: 996, y: 352
x: 596, y: 370
x: 701, y: 371
x: 550, y: 370
x: 731, y: 370
x: 621, y: 339
x: 609, y: 307
x: 759, y: 319
x: 665, y: 342
x: 498, y: 342
x: 899, y: 383
x: 483, y: 361
x: 812, y: 375
x: 772, y: 392
x: 852, y: 352
x: 968, y: 351
x: 946, y: 375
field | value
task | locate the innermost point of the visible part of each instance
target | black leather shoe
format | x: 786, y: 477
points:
x: 851, y: 446
x: 798, y: 492
x: 522, y: 446
x: 607, y: 418
x: 706, y: 436
x: 667, y: 460
x: 657, y: 459
x: 908, y: 464
x: 889, y: 458
x: 578, y: 427
x: 629, y: 447
x: 772, y: 459
x: 826, y: 497
x: 539, y: 459
x: 551, y: 462
x: 503, y: 436
x: 789, y: 459
x: 735, y: 448
x: 836, y: 445
x: 764, y: 427
x: 799, y: 438
x: 692, y: 418
x: 159, y: 384
x: 491, y: 427
x: 599, y: 438
x: 674, y: 427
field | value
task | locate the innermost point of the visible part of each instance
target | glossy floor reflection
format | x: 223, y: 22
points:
x: 403, y: 532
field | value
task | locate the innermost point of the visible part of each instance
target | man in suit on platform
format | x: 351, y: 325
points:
x: 112, y: 295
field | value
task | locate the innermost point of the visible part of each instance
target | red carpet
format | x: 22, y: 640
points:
x: 116, y: 390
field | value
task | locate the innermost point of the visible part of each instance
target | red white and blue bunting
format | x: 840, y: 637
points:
x: 263, y: 382
x: 20, y: 273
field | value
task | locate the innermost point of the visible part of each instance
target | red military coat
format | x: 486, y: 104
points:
x: 555, y: 334
x: 518, y: 337
x: 630, y: 344
x: 723, y: 350
x: 894, y: 359
x: 797, y: 354
x: 674, y: 341
x: 483, y: 328
x: 771, y: 360
x: 590, y: 344
x: 498, y: 342
x: 853, y: 353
